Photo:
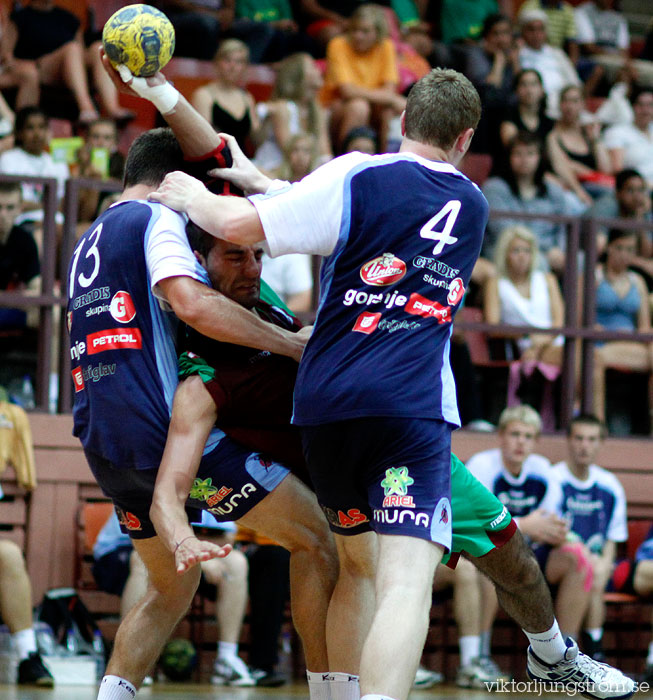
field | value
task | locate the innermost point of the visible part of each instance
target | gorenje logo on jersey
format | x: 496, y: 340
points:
x: 114, y: 339
x: 122, y: 307
x: 383, y: 271
x: 421, y: 306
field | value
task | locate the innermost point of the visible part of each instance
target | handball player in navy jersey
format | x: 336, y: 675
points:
x: 375, y: 396
x: 131, y: 267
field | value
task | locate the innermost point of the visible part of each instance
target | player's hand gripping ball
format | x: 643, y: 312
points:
x: 140, y: 37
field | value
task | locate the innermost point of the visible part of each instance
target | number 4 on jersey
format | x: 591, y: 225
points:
x: 450, y: 210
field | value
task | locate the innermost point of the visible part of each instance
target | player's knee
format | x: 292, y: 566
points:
x: 236, y: 565
x: 359, y: 109
x: 11, y: 556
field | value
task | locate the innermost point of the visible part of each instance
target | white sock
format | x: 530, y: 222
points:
x: 470, y: 648
x: 550, y: 645
x: 319, y: 685
x: 227, y: 650
x: 595, y: 633
x: 25, y: 642
x: 374, y: 696
x: 344, y: 686
x: 116, y: 688
x: 649, y: 658
x: 485, y: 643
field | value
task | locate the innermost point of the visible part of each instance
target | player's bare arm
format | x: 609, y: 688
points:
x: 232, y: 218
x: 193, y: 416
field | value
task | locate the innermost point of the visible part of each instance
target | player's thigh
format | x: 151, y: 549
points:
x: 406, y: 562
x: 289, y: 515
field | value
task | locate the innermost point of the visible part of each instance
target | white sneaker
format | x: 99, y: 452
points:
x: 475, y: 675
x: 231, y: 671
x: 492, y: 668
x: 426, y: 679
x: 581, y: 673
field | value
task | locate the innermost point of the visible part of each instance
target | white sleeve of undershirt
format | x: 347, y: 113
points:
x: 167, y: 252
x: 308, y: 216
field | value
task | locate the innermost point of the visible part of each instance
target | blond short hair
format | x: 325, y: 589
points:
x: 374, y: 14
x: 506, y: 237
x: 524, y: 414
x: 229, y: 46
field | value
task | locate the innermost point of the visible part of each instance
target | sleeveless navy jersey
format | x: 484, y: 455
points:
x: 595, y: 507
x: 401, y: 235
x: 124, y: 362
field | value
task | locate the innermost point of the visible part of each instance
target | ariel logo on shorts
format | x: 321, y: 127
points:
x: 383, y: 271
x: 202, y: 489
x: 395, y: 487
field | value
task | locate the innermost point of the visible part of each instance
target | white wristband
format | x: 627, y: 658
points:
x: 163, y: 97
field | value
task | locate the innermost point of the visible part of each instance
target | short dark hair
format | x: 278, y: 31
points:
x: 440, y: 106
x: 637, y: 91
x: 526, y: 138
x: 151, y: 157
x: 622, y: 177
x: 10, y: 187
x: 491, y: 21
x: 587, y: 419
x: 199, y: 239
x: 22, y: 115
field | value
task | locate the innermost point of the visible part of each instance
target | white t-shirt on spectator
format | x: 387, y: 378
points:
x: 288, y: 274
x: 637, y: 147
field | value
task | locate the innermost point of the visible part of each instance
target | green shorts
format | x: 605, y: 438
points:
x: 480, y: 521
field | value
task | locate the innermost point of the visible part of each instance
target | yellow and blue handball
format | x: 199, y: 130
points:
x: 140, y: 37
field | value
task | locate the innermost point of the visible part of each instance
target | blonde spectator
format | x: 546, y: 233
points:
x: 224, y: 102
x: 300, y: 158
x: 521, y: 295
x: 362, y: 77
x: 294, y: 108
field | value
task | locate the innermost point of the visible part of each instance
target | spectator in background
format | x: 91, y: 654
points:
x: 285, y: 38
x: 119, y: 570
x: 492, y: 66
x: 30, y: 157
x: 99, y: 158
x: 522, y: 295
x: 631, y: 145
x: 19, y: 257
x: 223, y: 102
x: 362, y: 139
x: 553, y: 65
x: 621, y: 305
x: 631, y: 199
x: 526, y: 485
x: 601, y: 30
x: 200, y: 25
x: 300, y: 158
x: 42, y: 44
x: 529, y: 112
x: 524, y: 188
x: 16, y: 612
x: 293, y: 108
x: 560, y: 24
x: 362, y: 77
x: 576, y: 151
x: 594, y: 506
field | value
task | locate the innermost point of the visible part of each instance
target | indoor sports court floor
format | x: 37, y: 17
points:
x: 186, y: 691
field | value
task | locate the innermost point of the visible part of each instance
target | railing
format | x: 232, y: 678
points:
x: 577, y: 328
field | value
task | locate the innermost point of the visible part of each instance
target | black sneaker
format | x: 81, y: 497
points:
x: 267, y: 679
x: 32, y: 671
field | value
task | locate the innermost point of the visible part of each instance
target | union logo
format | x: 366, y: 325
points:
x: 383, y: 271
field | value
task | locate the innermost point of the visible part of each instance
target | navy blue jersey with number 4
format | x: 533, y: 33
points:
x: 401, y: 235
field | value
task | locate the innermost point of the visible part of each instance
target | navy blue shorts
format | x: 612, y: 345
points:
x: 390, y: 475
x: 230, y: 481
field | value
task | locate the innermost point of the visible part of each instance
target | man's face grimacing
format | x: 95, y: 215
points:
x: 235, y: 271
x: 517, y: 441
